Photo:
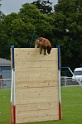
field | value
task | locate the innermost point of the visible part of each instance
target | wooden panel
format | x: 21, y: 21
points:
x: 36, y: 79
x: 36, y: 106
x: 44, y: 92
x: 42, y: 109
x: 36, y: 100
x: 36, y: 64
x: 36, y: 85
x: 37, y: 95
x: 27, y: 56
x: 25, y: 118
x: 31, y: 84
x: 31, y: 54
x: 37, y: 74
x: 49, y: 69
x: 39, y: 112
x: 34, y: 50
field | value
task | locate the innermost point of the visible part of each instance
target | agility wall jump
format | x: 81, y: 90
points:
x: 36, y: 94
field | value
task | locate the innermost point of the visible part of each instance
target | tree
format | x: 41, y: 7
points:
x: 42, y: 22
x: 21, y: 32
x: 5, y: 35
x: 44, y: 6
x: 67, y: 30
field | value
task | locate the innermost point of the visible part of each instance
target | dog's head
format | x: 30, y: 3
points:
x: 49, y: 49
x: 38, y: 41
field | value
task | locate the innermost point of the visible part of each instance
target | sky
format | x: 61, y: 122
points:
x: 9, y: 6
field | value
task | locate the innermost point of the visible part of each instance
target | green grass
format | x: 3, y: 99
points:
x: 4, y: 105
x: 71, y: 106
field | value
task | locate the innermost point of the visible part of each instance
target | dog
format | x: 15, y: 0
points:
x: 43, y: 44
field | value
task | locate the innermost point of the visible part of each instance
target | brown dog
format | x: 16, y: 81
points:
x: 43, y: 43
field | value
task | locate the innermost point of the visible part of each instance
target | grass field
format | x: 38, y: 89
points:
x: 4, y: 105
x: 71, y: 106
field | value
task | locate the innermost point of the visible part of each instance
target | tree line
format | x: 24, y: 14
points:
x: 62, y: 25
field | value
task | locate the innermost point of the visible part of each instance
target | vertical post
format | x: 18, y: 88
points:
x: 11, y: 96
x: 59, y: 75
x: 13, y: 86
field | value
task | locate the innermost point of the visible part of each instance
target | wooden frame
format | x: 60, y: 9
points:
x: 38, y: 96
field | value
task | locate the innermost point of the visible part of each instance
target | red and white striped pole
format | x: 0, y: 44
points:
x: 59, y: 75
x: 11, y: 100
x: 13, y: 95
